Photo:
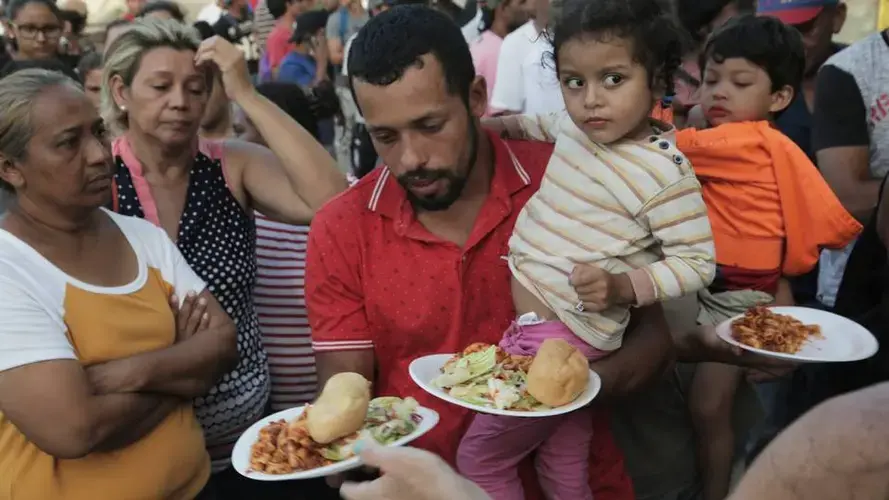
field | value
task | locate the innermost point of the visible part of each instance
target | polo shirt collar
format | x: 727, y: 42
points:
x: 389, y: 199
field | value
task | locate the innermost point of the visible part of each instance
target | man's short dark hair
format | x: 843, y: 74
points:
x: 292, y: 99
x: 395, y: 40
x: 308, y: 24
x: 764, y: 41
x: 696, y: 16
x: 277, y: 8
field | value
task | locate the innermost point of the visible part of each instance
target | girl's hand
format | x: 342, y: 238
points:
x: 598, y: 289
x: 231, y: 63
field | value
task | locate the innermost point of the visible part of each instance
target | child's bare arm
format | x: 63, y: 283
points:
x: 543, y: 128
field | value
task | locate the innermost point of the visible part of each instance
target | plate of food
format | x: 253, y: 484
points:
x: 316, y: 440
x: 486, y: 379
x: 799, y: 334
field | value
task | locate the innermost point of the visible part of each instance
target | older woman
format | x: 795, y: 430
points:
x: 202, y: 193
x: 97, y: 367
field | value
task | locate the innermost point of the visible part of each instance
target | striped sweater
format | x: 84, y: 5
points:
x: 279, y: 296
x: 630, y: 207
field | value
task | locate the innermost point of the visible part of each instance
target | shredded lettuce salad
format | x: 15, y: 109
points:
x: 478, y: 379
x: 388, y: 420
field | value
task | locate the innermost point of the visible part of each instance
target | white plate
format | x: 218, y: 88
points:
x: 844, y: 339
x: 241, y: 452
x: 424, y: 370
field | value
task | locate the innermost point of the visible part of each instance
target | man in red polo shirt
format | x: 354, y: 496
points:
x: 408, y: 261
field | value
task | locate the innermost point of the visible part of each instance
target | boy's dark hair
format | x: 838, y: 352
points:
x: 291, y: 98
x: 16, y: 5
x: 656, y: 37
x: 171, y: 8
x: 394, y: 41
x: 764, y: 41
x: 697, y: 15
x: 205, y: 31
x: 78, y: 22
x: 277, y: 8
x: 89, y: 62
x: 308, y: 25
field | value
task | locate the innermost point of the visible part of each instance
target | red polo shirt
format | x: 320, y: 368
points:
x: 377, y: 279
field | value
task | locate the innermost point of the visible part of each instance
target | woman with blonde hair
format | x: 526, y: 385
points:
x: 107, y: 334
x: 156, y: 83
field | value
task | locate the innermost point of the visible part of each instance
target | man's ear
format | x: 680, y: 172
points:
x: 839, y: 18
x: 10, y: 173
x: 478, y: 96
x: 781, y: 99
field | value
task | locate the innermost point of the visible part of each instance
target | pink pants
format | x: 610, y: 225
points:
x: 493, y: 447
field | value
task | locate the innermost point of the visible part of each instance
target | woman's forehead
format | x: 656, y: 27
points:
x: 169, y: 61
x: 61, y: 108
x: 34, y: 12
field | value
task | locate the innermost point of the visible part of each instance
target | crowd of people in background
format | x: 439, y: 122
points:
x: 205, y: 215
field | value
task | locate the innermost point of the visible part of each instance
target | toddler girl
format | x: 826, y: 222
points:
x: 617, y: 198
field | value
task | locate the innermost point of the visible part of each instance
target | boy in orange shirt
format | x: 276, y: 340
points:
x: 769, y: 208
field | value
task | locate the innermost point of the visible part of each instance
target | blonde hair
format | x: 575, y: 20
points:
x: 18, y: 92
x: 124, y: 58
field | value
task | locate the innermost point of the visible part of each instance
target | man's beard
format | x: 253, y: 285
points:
x: 455, y: 182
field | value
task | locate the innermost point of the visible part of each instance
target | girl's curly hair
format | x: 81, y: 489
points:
x: 657, y: 38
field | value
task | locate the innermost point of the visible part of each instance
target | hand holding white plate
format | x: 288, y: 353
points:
x: 426, y: 369
x: 242, y: 450
x: 841, y: 340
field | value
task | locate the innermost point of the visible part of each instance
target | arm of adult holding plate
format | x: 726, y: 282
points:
x: 646, y: 354
x: 341, y: 336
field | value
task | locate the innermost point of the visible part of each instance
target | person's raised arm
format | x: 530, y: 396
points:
x: 295, y: 175
x: 335, y: 300
x: 646, y: 354
x: 45, y: 392
x: 841, y: 140
x: 840, y: 449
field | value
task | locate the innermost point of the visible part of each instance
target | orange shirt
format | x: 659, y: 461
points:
x: 48, y: 315
x: 768, y: 205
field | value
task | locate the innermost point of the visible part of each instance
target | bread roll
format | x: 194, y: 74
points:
x: 558, y: 374
x: 341, y: 408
